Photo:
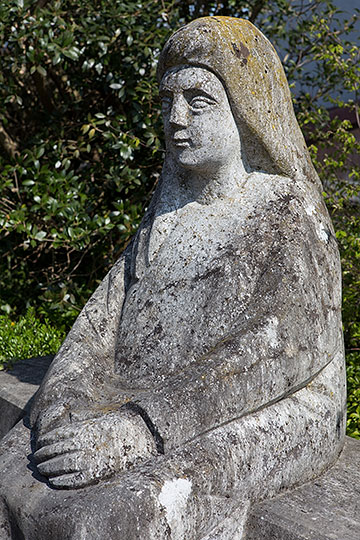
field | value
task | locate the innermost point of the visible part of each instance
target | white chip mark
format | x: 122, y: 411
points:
x: 173, y: 497
x: 271, y: 331
x: 322, y: 234
x: 310, y: 210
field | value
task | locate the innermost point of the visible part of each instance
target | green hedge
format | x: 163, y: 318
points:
x: 27, y: 338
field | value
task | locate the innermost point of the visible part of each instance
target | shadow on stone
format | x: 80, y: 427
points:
x: 17, y: 388
x: 31, y: 370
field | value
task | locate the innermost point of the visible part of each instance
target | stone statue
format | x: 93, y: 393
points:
x: 207, y: 370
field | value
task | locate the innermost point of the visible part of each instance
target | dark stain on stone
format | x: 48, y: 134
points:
x: 158, y: 329
x: 216, y: 273
x: 241, y: 51
x: 123, y: 361
x: 287, y: 198
x: 339, y: 422
x: 329, y: 236
x: 236, y: 50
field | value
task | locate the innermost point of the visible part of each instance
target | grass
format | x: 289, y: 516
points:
x: 27, y: 337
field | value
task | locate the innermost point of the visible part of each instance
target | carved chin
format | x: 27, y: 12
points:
x: 186, y: 159
x: 193, y: 159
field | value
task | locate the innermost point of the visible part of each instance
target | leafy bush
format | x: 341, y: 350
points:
x: 26, y: 338
x: 353, y: 378
x: 77, y: 96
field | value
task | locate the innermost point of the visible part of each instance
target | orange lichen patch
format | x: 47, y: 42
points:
x: 113, y: 407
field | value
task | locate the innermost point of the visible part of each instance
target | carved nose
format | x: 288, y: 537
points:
x: 179, y: 113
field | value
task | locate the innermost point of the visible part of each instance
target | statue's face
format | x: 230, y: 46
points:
x: 200, y: 130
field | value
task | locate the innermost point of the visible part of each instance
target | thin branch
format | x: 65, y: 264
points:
x: 256, y: 9
x: 9, y: 145
x: 42, y: 91
x: 7, y: 204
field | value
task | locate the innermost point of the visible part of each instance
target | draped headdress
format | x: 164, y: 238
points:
x: 255, y: 82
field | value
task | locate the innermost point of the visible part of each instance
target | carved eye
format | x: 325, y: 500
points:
x: 201, y: 102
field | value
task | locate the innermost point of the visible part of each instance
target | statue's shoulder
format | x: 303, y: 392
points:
x: 276, y: 198
x: 288, y: 213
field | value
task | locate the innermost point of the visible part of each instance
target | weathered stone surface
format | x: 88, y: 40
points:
x: 206, y: 373
x: 326, y: 509
x: 17, y: 387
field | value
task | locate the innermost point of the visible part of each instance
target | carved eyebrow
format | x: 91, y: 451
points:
x: 192, y: 91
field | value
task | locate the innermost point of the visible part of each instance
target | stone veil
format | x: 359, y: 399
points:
x: 206, y: 372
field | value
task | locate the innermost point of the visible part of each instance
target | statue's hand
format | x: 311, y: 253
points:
x: 50, y: 417
x: 82, y: 453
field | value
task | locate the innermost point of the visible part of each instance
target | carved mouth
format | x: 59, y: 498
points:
x: 181, y: 142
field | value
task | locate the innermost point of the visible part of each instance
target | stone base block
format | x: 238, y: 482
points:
x: 17, y: 387
x: 326, y: 509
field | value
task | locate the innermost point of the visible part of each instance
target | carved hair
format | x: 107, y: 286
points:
x: 254, y: 79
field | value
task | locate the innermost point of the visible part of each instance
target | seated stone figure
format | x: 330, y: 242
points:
x: 207, y: 370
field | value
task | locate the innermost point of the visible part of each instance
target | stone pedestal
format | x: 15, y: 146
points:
x: 17, y: 387
x: 326, y: 509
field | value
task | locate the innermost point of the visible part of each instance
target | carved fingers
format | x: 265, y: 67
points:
x: 84, y: 452
x: 61, y: 464
x: 74, y: 480
x: 52, y: 450
x: 48, y: 419
x: 58, y: 435
x: 75, y: 469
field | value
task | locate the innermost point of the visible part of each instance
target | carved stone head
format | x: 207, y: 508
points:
x: 252, y: 75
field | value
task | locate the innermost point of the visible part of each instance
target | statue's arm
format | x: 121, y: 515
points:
x: 297, y: 438
x: 85, y: 359
x: 282, y: 445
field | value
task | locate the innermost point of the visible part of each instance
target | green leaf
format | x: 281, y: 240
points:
x: 72, y: 53
x: 41, y: 70
x: 40, y: 235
